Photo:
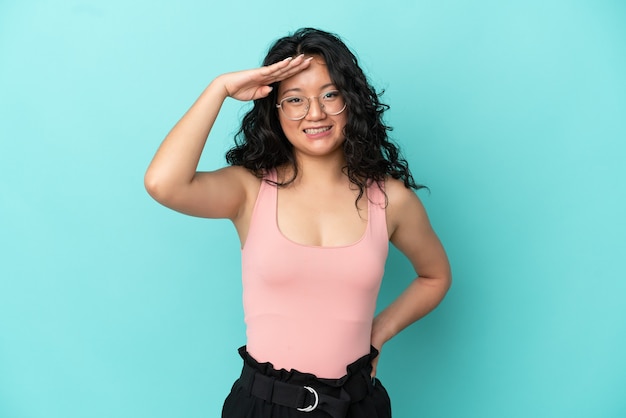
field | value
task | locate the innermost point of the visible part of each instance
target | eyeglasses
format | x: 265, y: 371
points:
x: 296, y: 107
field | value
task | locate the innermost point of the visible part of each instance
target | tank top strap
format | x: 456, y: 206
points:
x: 269, y: 197
x: 264, y: 210
x: 377, y: 204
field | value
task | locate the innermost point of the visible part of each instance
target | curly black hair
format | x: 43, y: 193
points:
x: 261, y: 145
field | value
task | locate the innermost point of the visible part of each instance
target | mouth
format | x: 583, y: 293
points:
x: 314, y: 131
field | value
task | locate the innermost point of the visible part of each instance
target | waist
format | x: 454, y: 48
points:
x: 310, y: 348
x: 356, y: 380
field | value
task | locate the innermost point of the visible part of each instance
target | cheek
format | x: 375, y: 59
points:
x: 341, y: 123
x: 289, y: 127
x: 286, y: 123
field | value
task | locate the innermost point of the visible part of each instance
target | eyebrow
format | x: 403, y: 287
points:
x: 299, y: 90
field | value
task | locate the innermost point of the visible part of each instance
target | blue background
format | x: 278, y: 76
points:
x: 513, y: 113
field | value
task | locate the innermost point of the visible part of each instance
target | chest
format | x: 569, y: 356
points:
x: 323, y: 218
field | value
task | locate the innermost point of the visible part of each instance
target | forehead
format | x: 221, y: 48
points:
x: 312, y: 80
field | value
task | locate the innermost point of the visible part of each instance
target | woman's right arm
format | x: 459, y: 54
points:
x: 172, y: 177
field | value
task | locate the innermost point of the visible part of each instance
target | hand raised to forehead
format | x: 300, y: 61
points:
x: 255, y: 84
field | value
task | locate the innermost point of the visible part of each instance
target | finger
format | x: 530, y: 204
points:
x: 286, y: 68
x: 278, y: 66
x: 298, y: 64
x: 290, y: 71
x: 374, y: 366
x: 264, y: 91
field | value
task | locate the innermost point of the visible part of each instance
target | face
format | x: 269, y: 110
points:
x: 318, y: 134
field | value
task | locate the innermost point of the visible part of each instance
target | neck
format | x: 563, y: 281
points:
x: 313, y: 170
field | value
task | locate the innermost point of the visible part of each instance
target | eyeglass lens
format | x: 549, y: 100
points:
x: 296, y: 107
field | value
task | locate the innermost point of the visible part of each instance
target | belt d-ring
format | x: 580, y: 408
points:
x: 314, y: 404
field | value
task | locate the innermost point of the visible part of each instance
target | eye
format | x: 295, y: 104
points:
x: 294, y: 100
x: 330, y: 95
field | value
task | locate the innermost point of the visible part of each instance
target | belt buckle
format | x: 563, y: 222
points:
x: 314, y: 405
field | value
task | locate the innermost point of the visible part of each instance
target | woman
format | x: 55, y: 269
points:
x: 316, y: 191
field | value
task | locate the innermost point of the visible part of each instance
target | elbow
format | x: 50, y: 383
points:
x: 446, y: 279
x: 150, y: 183
x: 442, y: 281
x: 155, y: 186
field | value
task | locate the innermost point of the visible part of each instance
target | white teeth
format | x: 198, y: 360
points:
x: 316, y: 130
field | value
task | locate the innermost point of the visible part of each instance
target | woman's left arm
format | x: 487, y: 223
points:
x: 411, y: 232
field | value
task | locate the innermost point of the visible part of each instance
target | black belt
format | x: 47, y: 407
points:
x: 314, y: 395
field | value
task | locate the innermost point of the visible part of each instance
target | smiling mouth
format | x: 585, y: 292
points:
x: 313, y: 131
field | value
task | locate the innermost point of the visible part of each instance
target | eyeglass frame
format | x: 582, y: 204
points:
x: 308, y: 105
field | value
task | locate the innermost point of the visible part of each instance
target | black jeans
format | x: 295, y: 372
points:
x: 263, y: 392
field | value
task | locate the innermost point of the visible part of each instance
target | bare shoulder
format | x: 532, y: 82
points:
x: 397, y: 192
x: 403, y: 206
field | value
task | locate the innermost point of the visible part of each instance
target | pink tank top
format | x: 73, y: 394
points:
x: 311, y: 308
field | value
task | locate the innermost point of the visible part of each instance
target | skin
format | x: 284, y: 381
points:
x: 318, y: 207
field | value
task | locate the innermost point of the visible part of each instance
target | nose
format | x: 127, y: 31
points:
x: 316, y: 111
